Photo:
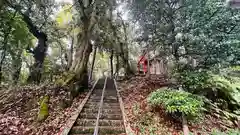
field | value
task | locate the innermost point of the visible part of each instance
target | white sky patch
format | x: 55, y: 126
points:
x: 66, y: 1
x: 122, y: 9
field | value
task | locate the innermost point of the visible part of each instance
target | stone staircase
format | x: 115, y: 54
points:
x: 110, y: 121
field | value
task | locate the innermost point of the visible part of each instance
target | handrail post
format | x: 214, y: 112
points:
x: 100, y: 109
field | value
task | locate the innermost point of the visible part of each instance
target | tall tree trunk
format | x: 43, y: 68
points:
x: 111, y: 62
x: 125, y: 62
x: 3, y: 56
x: 117, y: 67
x: 79, y: 81
x: 70, y: 54
x: 148, y: 61
x: 93, y: 62
x: 123, y: 46
x: 79, y: 66
x: 1, y: 5
x: 124, y: 50
x: 17, y: 71
x: 1, y: 64
x: 16, y: 65
x: 1, y: 76
x: 39, y: 54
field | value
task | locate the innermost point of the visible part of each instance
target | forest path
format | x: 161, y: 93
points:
x: 100, y: 113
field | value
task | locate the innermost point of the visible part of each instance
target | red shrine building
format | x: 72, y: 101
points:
x: 158, y: 64
x: 142, y: 64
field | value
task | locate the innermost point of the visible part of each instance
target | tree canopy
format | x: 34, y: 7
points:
x: 70, y: 43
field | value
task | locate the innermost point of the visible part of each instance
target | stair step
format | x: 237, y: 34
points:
x: 113, y: 123
x: 111, y: 116
x: 110, y: 121
x: 82, y: 130
x: 105, y: 105
x: 88, y: 115
x: 102, y: 130
x: 102, y: 122
x: 103, y: 115
x: 110, y: 130
x: 104, y: 99
x: 79, y: 134
x: 110, y: 101
x: 86, y: 122
x: 110, y: 111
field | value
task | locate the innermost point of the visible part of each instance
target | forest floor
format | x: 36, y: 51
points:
x: 145, y: 120
x: 19, y: 108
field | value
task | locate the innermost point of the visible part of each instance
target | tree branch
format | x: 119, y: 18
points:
x: 229, y: 31
x: 82, y: 7
x: 32, y: 28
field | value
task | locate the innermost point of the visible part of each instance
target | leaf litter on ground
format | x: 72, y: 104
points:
x: 145, y: 120
x: 19, y: 108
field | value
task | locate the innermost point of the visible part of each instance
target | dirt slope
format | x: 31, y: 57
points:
x: 19, y: 107
x: 145, y: 120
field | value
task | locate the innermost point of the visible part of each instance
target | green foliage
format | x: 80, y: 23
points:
x: 233, y: 71
x: 218, y: 88
x: 193, y: 81
x: 177, y: 102
x: 227, y: 90
x: 14, y: 38
x: 217, y: 132
x: 65, y: 16
x: 207, y: 29
x: 235, y: 68
x: 229, y: 132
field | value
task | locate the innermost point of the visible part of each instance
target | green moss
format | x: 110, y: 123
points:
x: 65, y: 79
x: 43, y: 111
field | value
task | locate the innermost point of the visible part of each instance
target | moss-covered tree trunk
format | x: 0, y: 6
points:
x: 79, y: 68
x: 79, y: 65
x: 77, y: 77
x: 17, y: 65
x: 126, y: 64
x: 93, y: 62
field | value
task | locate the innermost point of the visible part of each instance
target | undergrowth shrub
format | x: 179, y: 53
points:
x: 193, y: 81
x: 177, y: 102
x: 217, y: 132
x: 222, y: 90
x: 229, y: 132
